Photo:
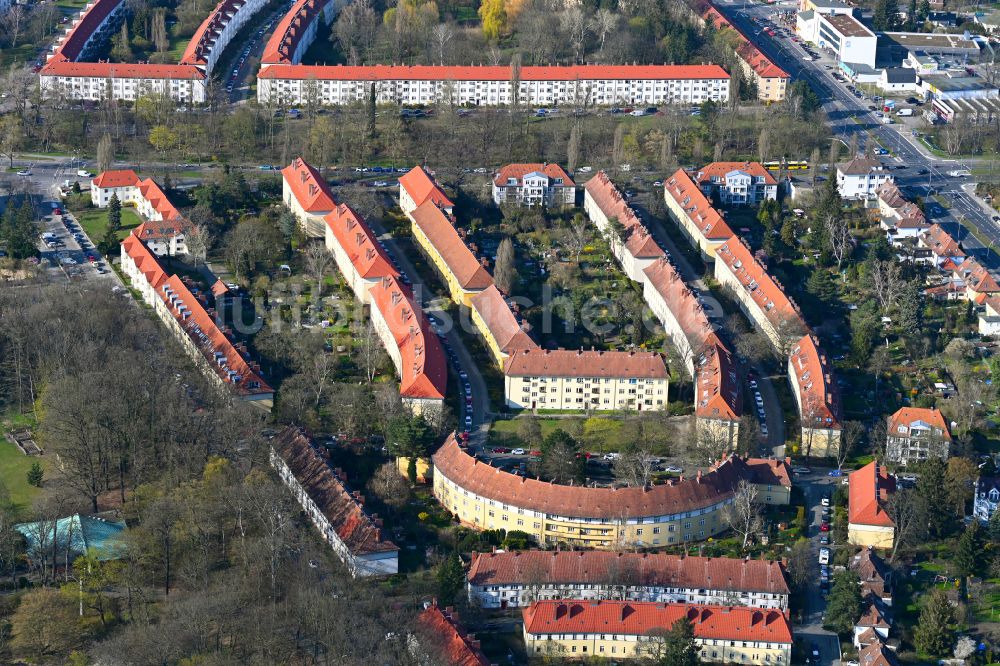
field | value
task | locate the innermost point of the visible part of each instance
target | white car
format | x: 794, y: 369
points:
x: 824, y: 555
x: 825, y: 501
x: 673, y: 469
x: 611, y: 456
x: 518, y: 452
x: 24, y: 172
x: 802, y: 470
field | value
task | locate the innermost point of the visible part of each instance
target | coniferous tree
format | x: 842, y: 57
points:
x: 934, y: 634
x: 679, y: 648
x: 844, y: 604
x: 114, y: 213
x: 450, y: 580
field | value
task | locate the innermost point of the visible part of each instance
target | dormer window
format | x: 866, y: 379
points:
x: 512, y: 181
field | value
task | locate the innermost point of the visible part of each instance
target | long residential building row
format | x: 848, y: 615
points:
x: 164, y: 229
x: 297, y: 30
x: 534, y: 378
x: 581, y: 85
x: 682, y: 511
x: 506, y: 579
x: 634, y: 630
x: 188, y: 314
x: 396, y: 315
x: 718, y: 403
x: 335, y: 511
x: 71, y: 72
x: 763, y: 300
x: 771, y: 80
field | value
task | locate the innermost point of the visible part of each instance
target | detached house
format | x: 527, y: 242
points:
x: 737, y: 183
x: 987, y: 497
x: 534, y: 185
x: 860, y: 178
x: 916, y: 434
x: 873, y: 625
x: 875, y: 576
x: 869, y: 523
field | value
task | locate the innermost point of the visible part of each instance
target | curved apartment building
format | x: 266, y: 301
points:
x: 686, y: 510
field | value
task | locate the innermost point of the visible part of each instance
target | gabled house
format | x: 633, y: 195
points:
x: 916, y: 434
x: 987, y: 497
x: 533, y: 185
x: 869, y: 523
x: 873, y: 622
x: 737, y: 183
x: 861, y: 177
x: 875, y: 576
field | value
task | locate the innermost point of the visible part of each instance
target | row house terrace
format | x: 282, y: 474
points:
x: 95, y: 24
x: 817, y: 398
x: 337, y: 512
x: 691, y: 210
x: 635, y: 630
x: 305, y: 192
x: 901, y: 219
x: 501, y: 328
x: 441, y: 628
x: 679, y: 511
x: 185, y: 311
x: 418, y: 186
x: 297, y: 30
x: 580, y: 85
x: 359, y: 256
x: 435, y: 234
x: 164, y: 229
x: 578, y: 380
x: 217, y: 30
x: 516, y: 579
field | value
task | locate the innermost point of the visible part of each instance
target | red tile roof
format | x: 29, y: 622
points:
x: 909, y: 214
x: 119, y: 70
x: 580, y: 363
x: 111, y: 179
x: 907, y: 416
x: 638, y: 241
x: 612, y: 503
x: 501, y: 321
x: 869, y: 490
x: 818, y: 395
x: 745, y: 48
x: 360, y: 533
x: 308, y: 186
x: 442, y: 632
x: 423, y: 369
x: 684, y: 305
x: 872, y: 617
x: 204, y: 38
x: 159, y: 202
x: 442, y: 235
x: 941, y: 242
x: 976, y: 277
x: 877, y: 654
x: 359, y: 243
x: 76, y: 37
x: 160, y: 231
x: 293, y: 25
x: 492, y: 73
x: 720, y: 169
x: 145, y: 261
x: 519, y: 171
x: 717, y: 392
x: 644, y: 618
x: 764, y: 290
x: 421, y: 187
x: 597, y: 567
x: 696, y: 206
x: 870, y: 567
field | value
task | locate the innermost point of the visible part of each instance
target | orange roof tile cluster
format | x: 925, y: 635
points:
x: 818, y: 395
x: 909, y: 214
x: 664, y: 278
x: 764, y: 290
x: 360, y: 533
x: 595, y: 567
x: 683, y: 190
x: 519, y: 171
x: 873, y: 572
x: 492, y: 73
x: 745, y: 48
x: 869, y: 489
x: 635, y: 618
x: 612, y: 503
x: 873, y: 617
x: 161, y: 231
x: 976, y: 277
x: 158, y: 201
x: 420, y: 186
x: 107, y: 180
x: 906, y: 417
x: 308, y: 186
x: 204, y: 38
x: 359, y: 243
x: 941, y: 243
x: 717, y: 171
x: 423, y: 369
x: 441, y: 234
x: 717, y: 382
x: 293, y: 25
x: 502, y: 323
x: 877, y: 654
x: 442, y: 632
x: 189, y: 307
x: 579, y: 363
x: 172, y: 224
x: 638, y: 241
x: 71, y: 46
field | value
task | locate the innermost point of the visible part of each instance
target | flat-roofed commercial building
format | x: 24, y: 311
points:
x: 686, y: 510
x: 581, y: 85
x: 516, y: 579
x: 635, y: 630
x: 578, y: 379
x: 940, y: 44
x: 844, y: 35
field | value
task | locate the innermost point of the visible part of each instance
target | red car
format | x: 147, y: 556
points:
x: 500, y: 449
x: 825, y: 527
x: 535, y: 454
x: 91, y: 258
x: 57, y: 211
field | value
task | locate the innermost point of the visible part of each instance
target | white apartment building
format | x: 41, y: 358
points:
x: 217, y: 30
x: 916, y: 434
x: 585, y: 380
x: 861, y: 177
x: 580, y: 85
x: 100, y: 81
x: 305, y: 192
x: 842, y: 34
x: 737, y: 183
x: 354, y: 536
x: 164, y: 230
x: 517, y: 579
x: 533, y: 185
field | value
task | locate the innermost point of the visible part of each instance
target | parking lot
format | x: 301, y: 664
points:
x: 66, y: 249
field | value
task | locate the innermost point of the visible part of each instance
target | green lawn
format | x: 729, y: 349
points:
x: 14, y: 467
x: 94, y: 221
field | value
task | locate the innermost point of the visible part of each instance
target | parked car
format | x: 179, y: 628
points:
x: 673, y: 469
x: 825, y: 527
x: 825, y: 501
x: 801, y: 470
x: 824, y: 555
x: 518, y: 452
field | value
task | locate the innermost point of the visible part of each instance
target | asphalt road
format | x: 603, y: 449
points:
x: 850, y: 116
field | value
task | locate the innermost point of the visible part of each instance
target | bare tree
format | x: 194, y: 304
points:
x: 903, y: 508
x: 743, y: 515
x: 573, y: 147
x: 389, y: 486
x: 442, y: 34
x: 839, y: 237
x: 634, y: 466
x: 505, y: 271
x: 369, y: 348
x: 198, y: 239
x: 886, y: 282
x: 105, y: 153
x: 577, y: 237
x: 13, y: 22
x: 575, y: 26
x: 603, y: 23
x: 713, y: 440
x: 318, y: 260
x: 850, y: 434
